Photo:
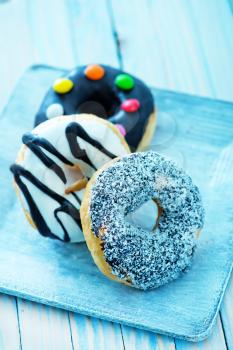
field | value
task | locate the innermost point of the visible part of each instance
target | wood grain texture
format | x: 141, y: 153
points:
x: 89, y: 333
x: 139, y: 339
x: 9, y: 326
x: 180, y: 45
x: 15, y: 44
x: 159, y: 52
x: 43, y: 327
x: 90, y: 32
x: 214, y: 27
x: 183, y: 45
x: 49, y: 32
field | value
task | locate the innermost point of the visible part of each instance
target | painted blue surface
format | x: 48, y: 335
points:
x: 194, y: 131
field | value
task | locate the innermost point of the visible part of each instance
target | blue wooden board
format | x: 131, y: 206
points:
x: 194, y: 131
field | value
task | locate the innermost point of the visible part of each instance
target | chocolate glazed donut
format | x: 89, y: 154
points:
x: 108, y: 93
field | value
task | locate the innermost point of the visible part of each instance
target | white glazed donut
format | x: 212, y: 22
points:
x: 53, y: 167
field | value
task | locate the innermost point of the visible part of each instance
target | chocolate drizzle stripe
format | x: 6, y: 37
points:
x: 34, y: 211
x: 65, y: 206
x: 75, y: 130
x: 35, y: 143
x: 76, y: 197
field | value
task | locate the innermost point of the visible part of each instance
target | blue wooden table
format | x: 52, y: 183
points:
x: 183, y: 45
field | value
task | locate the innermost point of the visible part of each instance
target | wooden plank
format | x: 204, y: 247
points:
x: 43, y: 327
x: 72, y: 33
x: 55, y: 33
x: 138, y: 339
x: 183, y: 46
x: 90, y: 32
x: 143, y: 52
x: 161, y: 53
x: 9, y: 330
x: 214, y: 27
x: 49, y: 31
x: 91, y: 333
x: 16, y: 50
x: 227, y: 315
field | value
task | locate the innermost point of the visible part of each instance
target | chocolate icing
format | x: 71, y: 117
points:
x: 35, y: 144
x: 75, y: 130
x: 65, y: 206
x: 103, y: 98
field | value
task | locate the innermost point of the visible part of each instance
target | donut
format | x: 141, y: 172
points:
x: 125, y: 252
x: 53, y: 166
x: 108, y: 93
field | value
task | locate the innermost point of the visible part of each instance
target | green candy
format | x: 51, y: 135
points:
x: 124, y: 82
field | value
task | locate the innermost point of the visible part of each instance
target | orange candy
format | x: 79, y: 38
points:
x: 94, y: 72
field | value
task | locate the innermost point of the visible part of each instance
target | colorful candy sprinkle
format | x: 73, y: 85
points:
x: 130, y: 105
x: 121, y: 128
x: 54, y: 110
x: 94, y: 72
x: 62, y: 85
x: 124, y: 82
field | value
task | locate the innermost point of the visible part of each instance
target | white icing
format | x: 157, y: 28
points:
x: 54, y: 110
x: 54, y: 132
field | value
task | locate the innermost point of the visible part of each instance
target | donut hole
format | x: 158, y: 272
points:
x: 101, y: 105
x: 146, y: 216
x: 74, y: 176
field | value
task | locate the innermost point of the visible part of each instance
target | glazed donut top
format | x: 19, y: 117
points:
x: 143, y: 258
x: 103, y: 91
x: 54, y: 156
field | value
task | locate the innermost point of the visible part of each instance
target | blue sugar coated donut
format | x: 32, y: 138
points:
x: 146, y: 259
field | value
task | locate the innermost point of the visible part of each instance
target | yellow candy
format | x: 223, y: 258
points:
x: 63, y: 85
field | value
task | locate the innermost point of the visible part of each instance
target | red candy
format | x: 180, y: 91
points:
x: 130, y: 105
